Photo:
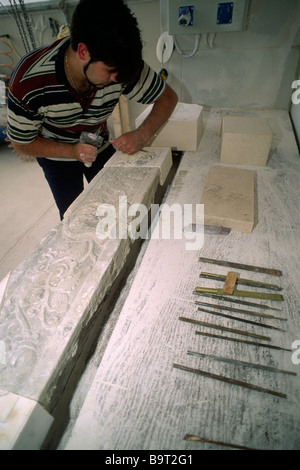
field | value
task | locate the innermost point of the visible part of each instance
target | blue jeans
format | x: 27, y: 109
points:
x: 66, y: 178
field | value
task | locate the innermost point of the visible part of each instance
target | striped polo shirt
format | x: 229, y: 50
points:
x: 42, y: 103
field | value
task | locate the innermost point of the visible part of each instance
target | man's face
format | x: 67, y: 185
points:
x: 99, y: 74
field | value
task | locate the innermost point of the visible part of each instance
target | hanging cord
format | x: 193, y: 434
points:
x: 64, y: 30
x: 28, y: 24
x: 187, y: 56
x: 18, y: 20
x: 64, y: 8
x: 27, y: 37
x: 209, y: 40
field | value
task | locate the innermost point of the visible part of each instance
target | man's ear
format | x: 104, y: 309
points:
x: 83, y: 52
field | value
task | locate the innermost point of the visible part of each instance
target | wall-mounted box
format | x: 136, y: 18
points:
x: 208, y: 16
x: 245, y: 141
x: 183, y: 130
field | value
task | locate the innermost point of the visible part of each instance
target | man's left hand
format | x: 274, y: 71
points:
x: 129, y: 143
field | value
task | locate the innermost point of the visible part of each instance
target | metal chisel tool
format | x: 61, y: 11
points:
x: 229, y: 380
x: 239, y: 310
x: 245, y: 267
x: 207, y: 229
x: 238, y: 293
x: 224, y: 328
x: 242, y: 341
x: 190, y: 437
x: 240, y: 363
x: 243, y: 320
x: 235, y: 301
x: 240, y: 281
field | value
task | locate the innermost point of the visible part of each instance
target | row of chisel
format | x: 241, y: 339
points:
x: 241, y: 306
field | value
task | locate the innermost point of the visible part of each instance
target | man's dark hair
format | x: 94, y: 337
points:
x: 111, y: 33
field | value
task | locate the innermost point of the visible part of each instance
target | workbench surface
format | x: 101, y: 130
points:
x: 138, y: 400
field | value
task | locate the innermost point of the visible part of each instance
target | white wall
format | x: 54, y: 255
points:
x: 250, y: 69
x: 254, y: 68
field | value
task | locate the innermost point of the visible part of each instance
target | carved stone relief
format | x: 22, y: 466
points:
x: 156, y: 157
x: 60, y: 284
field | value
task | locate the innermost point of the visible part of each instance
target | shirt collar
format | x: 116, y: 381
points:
x: 60, y: 61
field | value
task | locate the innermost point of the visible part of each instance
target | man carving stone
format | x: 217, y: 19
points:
x: 72, y: 86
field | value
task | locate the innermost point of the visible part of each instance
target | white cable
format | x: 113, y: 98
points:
x: 212, y: 40
x: 164, y: 48
x: 197, y: 42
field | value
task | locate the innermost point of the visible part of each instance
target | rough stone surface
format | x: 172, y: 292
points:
x: 183, y: 131
x: 160, y: 158
x: 245, y: 141
x: 229, y: 198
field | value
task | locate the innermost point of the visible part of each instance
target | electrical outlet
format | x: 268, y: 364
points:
x: 225, y: 13
x: 205, y: 16
x: 186, y: 16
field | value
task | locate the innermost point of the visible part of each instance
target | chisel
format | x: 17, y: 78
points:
x: 240, y: 363
x: 245, y: 267
x: 243, y: 341
x: 189, y: 437
x: 229, y: 380
x: 239, y: 310
x: 239, y: 293
x: 224, y: 328
x: 207, y: 229
x: 240, y: 281
x: 243, y: 320
x: 235, y: 301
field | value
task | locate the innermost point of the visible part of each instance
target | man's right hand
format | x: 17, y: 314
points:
x: 45, y: 148
x: 85, y: 153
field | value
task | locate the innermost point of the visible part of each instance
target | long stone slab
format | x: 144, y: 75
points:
x: 52, y: 300
x: 229, y: 198
x: 149, y: 157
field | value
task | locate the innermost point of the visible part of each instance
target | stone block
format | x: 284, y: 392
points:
x: 229, y: 198
x: 183, y: 131
x: 245, y: 141
x: 149, y: 157
x: 52, y: 306
x: 24, y: 424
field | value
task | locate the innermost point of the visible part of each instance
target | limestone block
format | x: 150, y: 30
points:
x: 245, y: 141
x: 24, y: 424
x: 229, y: 198
x: 160, y: 158
x: 52, y: 301
x: 184, y: 129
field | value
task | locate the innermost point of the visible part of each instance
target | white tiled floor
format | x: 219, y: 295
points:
x: 27, y: 210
